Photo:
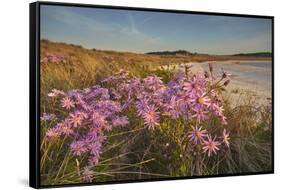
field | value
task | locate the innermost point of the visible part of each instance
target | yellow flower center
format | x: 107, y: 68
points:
x: 186, y: 99
x: 198, y: 133
x: 195, y: 85
x: 200, y: 100
x: 226, y: 138
x: 152, y: 113
x: 177, y: 108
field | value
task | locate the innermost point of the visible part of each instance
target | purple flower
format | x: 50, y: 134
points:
x: 67, y: 103
x: 200, y: 115
x: 79, y: 99
x: 176, y: 108
x: 93, y: 160
x: 194, y: 86
x: 94, y: 148
x: 53, y: 133
x: 56, y: 93
x: 96, y: 110
x: 225, y: 137
x: 87, y: 174
x: 218, y: 109
x: 197, y: 135
x: 152, y: 82
x: 107, y: 127
x: 179, y: 77
x: 211, y: 146
x: 142, y: 106
x: 76, y: 119
x: 47, y: 117
x: 120, y: 121
x: 78, y: 147
x: 98, y: 119
x: 97, y: 91
x: 201, y: 100
x: 65, y: 128
x: 151, y: 117
x: 52, y: 58
x: 223, y: 120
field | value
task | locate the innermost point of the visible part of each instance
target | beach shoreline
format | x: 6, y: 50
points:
x: 249, y: 79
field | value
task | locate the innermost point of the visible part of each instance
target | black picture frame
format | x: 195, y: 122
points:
x: 34, y: 91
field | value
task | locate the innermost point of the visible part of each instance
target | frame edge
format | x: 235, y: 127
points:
x: 33, y: 81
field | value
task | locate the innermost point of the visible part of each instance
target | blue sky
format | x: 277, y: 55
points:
x: 140, y: 31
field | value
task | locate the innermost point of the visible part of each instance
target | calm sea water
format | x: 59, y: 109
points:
x: 253, y: 73
x: 260, y: 64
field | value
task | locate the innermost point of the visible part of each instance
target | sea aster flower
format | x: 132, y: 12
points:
x: 47, y: 117
x: 93, y: 160
x: 120, y: 121
x: 55, y: 93
x: 194, y: 86
x: 76, y: 119
x: 152, y: 82
x: 226, y: 138
x: 223, y: 120
x: 197, y: 135
x: 200, y: 115
x: 211, y: 146
x: 107, y: 127
x: 67, y: 103
x: 186, y: 99
x: 151, y: 117
x: 87, y: 174
x: 79, y: 99
x: 78, y: 147
x: 82, y: 114
x: 95, y: 148
x: 98, y: 119
x: 218, y: 109
x: 141, y: 106
x: 176, y: 107
x: 98, y: 109
x: 52, y: 133
x: 201, y: 100
x: 65, y: 128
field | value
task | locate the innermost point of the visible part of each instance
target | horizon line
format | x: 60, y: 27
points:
x: 157, y: 51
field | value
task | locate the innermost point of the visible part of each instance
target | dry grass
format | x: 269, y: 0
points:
x: 135, y: 153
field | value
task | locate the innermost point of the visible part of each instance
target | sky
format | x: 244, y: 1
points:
x: 145, y: 31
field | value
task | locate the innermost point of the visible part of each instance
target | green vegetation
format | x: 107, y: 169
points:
x: 134, y: 152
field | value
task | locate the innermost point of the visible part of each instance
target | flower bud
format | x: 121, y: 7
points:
x: 207, y: 74
x: 211, y: 67
x: 226, y: 82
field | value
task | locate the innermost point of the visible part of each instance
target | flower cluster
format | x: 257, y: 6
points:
x: 192, y: 98
x: 52, y: 58
x: 91, y: 113
x: 94, y: 111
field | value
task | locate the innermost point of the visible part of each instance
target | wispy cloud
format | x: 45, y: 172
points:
x: 129, y: 36
x: 147, y: 31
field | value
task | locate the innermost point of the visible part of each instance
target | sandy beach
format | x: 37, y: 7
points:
x: 249, y: 78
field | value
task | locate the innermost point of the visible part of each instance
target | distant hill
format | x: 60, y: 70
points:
x: 171, y: 53
x: 187, y: 53
x: 258, y: 54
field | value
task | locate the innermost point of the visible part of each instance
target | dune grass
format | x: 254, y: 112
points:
x: 133, y: 152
